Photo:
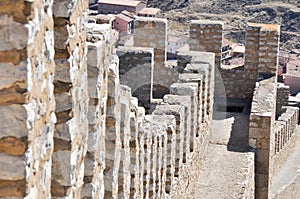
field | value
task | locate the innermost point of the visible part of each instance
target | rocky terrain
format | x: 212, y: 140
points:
x: 235, y: 14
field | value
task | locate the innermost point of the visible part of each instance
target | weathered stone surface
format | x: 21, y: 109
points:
x: 11, y: 74
x: 12, y: 146
x: 152, y: 33
x: 61, y: 167
x: 12, y: 189
x: 63, y: 8
x: 136, y: 67
x: 18, y: 9
x: 14, y: 121
x: 10, y: 34
x: 62, y: 70
x: 63, y: 102
x: 11, y: 167
x: 71, y: 130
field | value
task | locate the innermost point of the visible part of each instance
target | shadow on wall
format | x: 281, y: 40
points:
x: 239, y: 136
x: 159, y: 91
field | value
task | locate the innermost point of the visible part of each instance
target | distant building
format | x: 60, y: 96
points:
x: 174, y: 43
x: 292, y: 77
x: 232, y: 53
x: 124, y: 22
x: 117, y: 6
x: 238, y: 50
x: 283, y: 59
x: 293, y: 67
x: 226, y: 49
x: 149, y: 12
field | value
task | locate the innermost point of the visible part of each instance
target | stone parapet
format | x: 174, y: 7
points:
x: 202, y: 63
x: 285, y: 131
x: 72, y: 98
x: 71, y: 128
x: 97, y: 70
x: 188, y: 136
x: 206, y: 36
x: 151, y: 32
x: 282, y: 99
x: 261, y: 127
x: 136, y: 66
x: 26, y: 98
x: 112, y: 134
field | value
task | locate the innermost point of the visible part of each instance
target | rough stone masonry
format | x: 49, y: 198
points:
x: 70, y: 128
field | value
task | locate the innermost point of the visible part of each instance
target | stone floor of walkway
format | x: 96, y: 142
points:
x: 225, y: 167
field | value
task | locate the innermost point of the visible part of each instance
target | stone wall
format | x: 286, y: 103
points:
x: 273, y: 140
x: 72, y: 100
x: 262, y: 45
x: 261, y: 135
x: 136, y: 66
x: 206, y: 36
x: 98, y: 61
x: 285, y: 131
x: 71, y: 129
x: 163, y: 146
x: 250, y: 177
x: 27, y: 102
x: 151, y: 32
x: 282, y: 98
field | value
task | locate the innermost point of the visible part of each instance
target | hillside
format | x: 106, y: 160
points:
x: 235, y: 14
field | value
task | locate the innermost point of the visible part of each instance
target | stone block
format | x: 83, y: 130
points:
x: 10, y: 34
x: 12, y: 167
x: 12, y: 146
x: 12, y: 189
x: 11, y: 75
x: 14, y: 121
x: 63, y: 102
x: 61, y: 167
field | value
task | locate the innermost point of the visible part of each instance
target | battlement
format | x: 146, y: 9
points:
x: 83, y: 119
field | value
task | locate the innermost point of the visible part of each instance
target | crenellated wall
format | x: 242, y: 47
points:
x: 151, y: 32
x: 71, y: 129
x: 282, y: 98
x: 262, y: 47
x: 27, y: 102
x: 72, y: 98
x: 261, y: 137
x: 136, y: 67
x: 273, y: 139
x: 285, y: 130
